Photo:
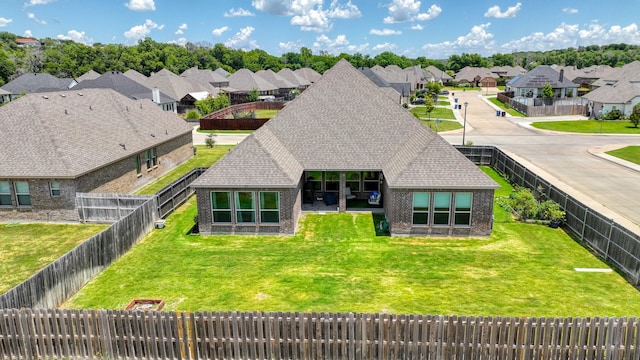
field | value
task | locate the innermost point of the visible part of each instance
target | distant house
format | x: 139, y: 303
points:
x: 285, y: 87
x: 130, y: 88
x: 437, y: 75
x: 179, y: 87
x: 90, y: 140
x: 28, y: 42
x: 214, y: 79
x: 476, y: 77
x: 244, y: 81
x: 621, y: 96
x: 309, y: 74
x: 5, y: 96
x: 397, y: 92
x: 343, y: 138
x: 89, y: 75
x: 531, y: 84
x: 36, y: 83
x: 300, y: 82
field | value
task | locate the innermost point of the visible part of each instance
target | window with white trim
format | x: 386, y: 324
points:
x: 5, y: 193
x: 147, y: 155
x: 221, y: 206
x: 269, y: 207
x: 54, y: 188
x: 462, y: 214
x: 441, y: 208
x: 245, y: 207
x: 154, y: 157
x: 421, y: 202
x: 23, y: 196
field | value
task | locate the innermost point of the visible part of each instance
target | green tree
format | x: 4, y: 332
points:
x: 547, y: 91
x: 7, y: 67
x: 211, y: 104
x: 253, y: 95
x: 192, y: 114
x: 429, y: 106
x: 635, y: 115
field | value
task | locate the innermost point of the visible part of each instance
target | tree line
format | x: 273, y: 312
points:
x: 65, y: 58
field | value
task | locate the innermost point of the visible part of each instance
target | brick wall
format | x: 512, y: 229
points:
x: 44, y: 206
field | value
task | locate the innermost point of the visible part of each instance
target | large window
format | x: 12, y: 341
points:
x: 269, y: 207
x: 54, y: 188
x: 147, y: 156
x: 353, y: 180
x: 154, y: 157
x: 441, y: 208
x: 332, y: 181
x: 371, y: 180
x: 315, y: 177
x: 138, y: 165
x: 22, y: 193
x: 245, y: 207
x: 421, y: 208
x: 221, y: 207
x: 5, y: 193
x: 463, y: 208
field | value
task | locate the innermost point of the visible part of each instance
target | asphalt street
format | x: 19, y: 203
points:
x: 574, y: 163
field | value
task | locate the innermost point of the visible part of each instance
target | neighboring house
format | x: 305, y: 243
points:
x: 222, y: 72
x: 622, y: 96
x: 530, y: 85
x: 437, y: 75
x: 476, y: 77
x: 417, y: 76
x: 188, y: 102
x: 35, y: 83
x: 130, y: 88
x: 344, y: 132
x: 507, y: 72
x: 397, y: 79
x: 90, y: 140
x: 398, y: 93
x: 285, y: 87
x: 5, y: 96
x: 300, y: 82
x: 28, y: 42
x: 136, y: 76
x: 629, y: 72
x: 309, y: 74
x: 179, y: 87
x: 208, y: 77
x: 244, y: 81
x: 89, y: 75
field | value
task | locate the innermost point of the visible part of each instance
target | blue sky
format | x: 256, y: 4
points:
x: 412, y: 28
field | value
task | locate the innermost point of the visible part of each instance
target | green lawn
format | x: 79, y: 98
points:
x: 205, y: 158
x: 443, y: 125
x: 589, y: 126
x: 27, y: 248
x: 336, y: 263
x: 629, y: 153
x: 437, y: 113
x: 500, y: 104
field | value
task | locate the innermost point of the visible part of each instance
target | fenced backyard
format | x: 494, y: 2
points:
x: 101, y: 334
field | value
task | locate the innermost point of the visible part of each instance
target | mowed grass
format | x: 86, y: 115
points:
x: 589, y: 126
x: 437, y: 113
x: 629, y: 153
x: 443, y: 125
x: 206, y: 156
x: 25, y: 248
x: 335, y: 263
x: 494, y: 100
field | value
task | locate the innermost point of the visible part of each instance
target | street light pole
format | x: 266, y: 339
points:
x: 464, y: 128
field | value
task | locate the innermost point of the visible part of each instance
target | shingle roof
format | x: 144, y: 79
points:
x: 541, y: 75
x: 36, y: 83
x: 124, y: 85
x: 618, y: 93
x: 74, y: 132
x: 206, y: 75
x: 628, y: 72
x: 294, y: 78
x: 245, y: 80
x: 344, y: 122
x: 89, y: 75
x: 136, y: 76
x: 469, y: 73
x: 276, y: 79
x: 309, y: 74
x: 177, y: 86
x: 438, y: 74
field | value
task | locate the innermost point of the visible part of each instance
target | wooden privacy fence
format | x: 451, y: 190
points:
x: 91, y: 334
x: 614, y: 243
x: 55, y: 283
x: 107, y: 208
x: 176, y: 193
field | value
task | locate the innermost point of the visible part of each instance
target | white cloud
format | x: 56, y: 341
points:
x: 290, y: 46
x: 141, y: 5
x: 570, y: 11
x: 33, y: 17
x: 495, y: 12
x: 242, y: 41
x: 309, y: 15
x: 409, y: 10
x: 338, y: 45
x: 219, y: 31
x: 417, y: 27
x: 37, y: 2
x: 616, y: 34
x: 28, y: 33
x: 181, y: 41
x: 384, y: 47
x: 385, y: 32
x: 76, y: 36
x: 562, y: 37
x: 181, y: 29
x: 478, y: 40
x: 4, y: 22
x: 140, y: 31
x: 239, y: 12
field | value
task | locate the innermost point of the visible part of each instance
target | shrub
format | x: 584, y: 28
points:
x: 524, y: 206
x: 192, y: 114
x: 613, y: 115
x: 210, y: 141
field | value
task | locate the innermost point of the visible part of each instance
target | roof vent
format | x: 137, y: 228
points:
x: 123, y: 146
x: 90, y: 108
x: 63, y: 95
x: 153, y: 135
x: 45, y: 97
x: 65, y: 112
x: 80, y: 94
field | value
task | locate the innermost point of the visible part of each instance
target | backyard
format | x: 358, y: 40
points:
x: 338, y: 262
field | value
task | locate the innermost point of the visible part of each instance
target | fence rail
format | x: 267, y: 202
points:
x: 107, y: 208
x: 92, y: 334
x: 609, y: 240
x: 176, y: 193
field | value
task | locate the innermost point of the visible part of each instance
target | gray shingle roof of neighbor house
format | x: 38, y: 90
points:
x: 89, y: 75
x: 124, y: 85
x: 222, y: 72
x: 539, y: 76
x: 618, y: 93
x: 176, y: 86
x: 208, y: 75
x: 245, y: 80
x: 438, y: 74
x: 309, y: 74
x: 71, y: 133
x: 469, y: 73
x: 294, y: 78
x: 628, y: 72
x: 136, y: 76
x: 37, y: 82
x: 345, y: 122
x: 275, y: 79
